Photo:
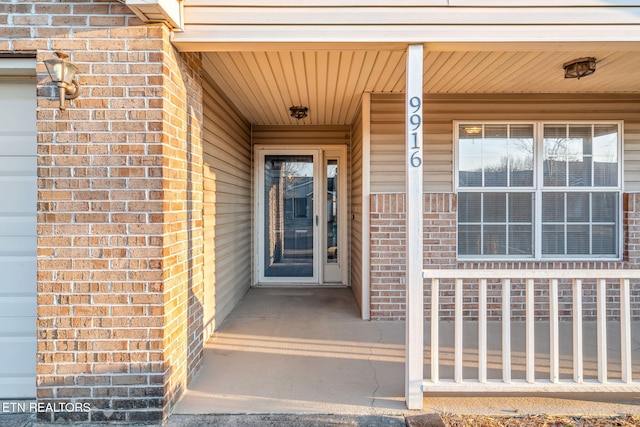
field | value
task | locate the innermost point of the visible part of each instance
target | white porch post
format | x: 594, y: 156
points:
x: 414, y: 345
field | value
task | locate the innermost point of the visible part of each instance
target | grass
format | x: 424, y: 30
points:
x: 540, y: 421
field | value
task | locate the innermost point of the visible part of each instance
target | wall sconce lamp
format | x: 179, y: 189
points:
x: 579, y: 68
x: 299, y: 112
x: 63, y: 73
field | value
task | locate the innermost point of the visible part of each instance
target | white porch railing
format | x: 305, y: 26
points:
x: 623, y: 382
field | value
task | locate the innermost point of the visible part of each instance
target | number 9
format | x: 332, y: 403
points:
x: 415, y: 120
x: 416, y: 103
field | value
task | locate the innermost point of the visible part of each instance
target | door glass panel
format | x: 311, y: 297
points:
x: 288, y: 215
x: 332, y: 211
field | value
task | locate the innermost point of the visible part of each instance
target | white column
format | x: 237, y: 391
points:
x: 625, y: 331
x: 414, y: 326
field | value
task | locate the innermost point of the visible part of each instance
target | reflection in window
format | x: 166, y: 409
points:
x: 495, y: 155
x: 332, y: 211
x: 578, y: 197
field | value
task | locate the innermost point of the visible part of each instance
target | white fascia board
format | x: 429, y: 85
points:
x: 167, y: 11
x: 377, y: 34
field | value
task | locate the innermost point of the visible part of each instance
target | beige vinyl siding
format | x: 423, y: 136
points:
x: 310, y: 136
x: 387, y: 130
x: 355, y: 259
x: 227, y: 207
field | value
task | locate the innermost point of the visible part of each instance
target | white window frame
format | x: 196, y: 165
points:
x: 538, y: 188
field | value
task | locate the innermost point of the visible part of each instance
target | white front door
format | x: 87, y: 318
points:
x: 301, y: 213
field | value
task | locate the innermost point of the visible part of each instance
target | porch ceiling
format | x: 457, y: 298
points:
x: 264, y: 84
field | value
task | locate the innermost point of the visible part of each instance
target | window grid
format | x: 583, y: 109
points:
x: 508, y: 224
x: 539, y: 188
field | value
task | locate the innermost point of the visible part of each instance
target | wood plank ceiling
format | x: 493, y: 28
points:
x: 263, y: 85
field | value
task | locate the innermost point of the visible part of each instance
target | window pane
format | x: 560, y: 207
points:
x: 470, y: 171
x: 578, y: 207
x: 605, y: 207
x: 499, y: 133
x: 470, y: 155
x: 494, y: 207
x: 469, y: 207
x: 555, y: 155
x: 469, y: 239
x: 521, y: 156
x: 495, y: 171
x: 552, y: 207
x: 604, y: 240
x: 580, y: 172
x: 579, y: 140
x: 553, y: 239
x: 495, y: 155
x: 579, y: 156
x: 495, y: 240
x: 521, y: 240
x: 520, y: 207
x: 470, y: 131
x: 555, y: 172
x: 605, y: 174
x: 333, y: 228
x: 605, y: 156
x: 578, y: 240
x: 555, y: 132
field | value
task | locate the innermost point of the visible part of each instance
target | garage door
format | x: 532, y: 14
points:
x: 18, y: 197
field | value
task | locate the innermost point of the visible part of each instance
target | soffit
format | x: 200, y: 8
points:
x: 264, y: 84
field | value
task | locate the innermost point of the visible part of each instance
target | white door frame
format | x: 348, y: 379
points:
x: 320, y: 155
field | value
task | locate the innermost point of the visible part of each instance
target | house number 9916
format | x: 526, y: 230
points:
x: 415, y: 120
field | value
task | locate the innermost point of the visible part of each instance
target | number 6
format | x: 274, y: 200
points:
x: 416, y: 160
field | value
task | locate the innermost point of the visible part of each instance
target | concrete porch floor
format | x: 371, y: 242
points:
x: 306, y: 351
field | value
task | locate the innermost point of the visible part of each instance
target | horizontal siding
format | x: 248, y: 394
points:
x: 301, y: 135
x: 227, y: 206
x: 387, y: 129
x: 355, y: 259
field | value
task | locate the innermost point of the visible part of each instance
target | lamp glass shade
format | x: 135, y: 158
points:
x: 61, y: 71
x: 579, y: 68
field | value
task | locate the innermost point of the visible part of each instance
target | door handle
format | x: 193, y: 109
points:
x: 317, y: 223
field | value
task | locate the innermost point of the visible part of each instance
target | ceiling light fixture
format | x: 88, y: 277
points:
x: 472, y: 130
x: 579, y: 68
x: 299, y: 112
x: 63, y: 74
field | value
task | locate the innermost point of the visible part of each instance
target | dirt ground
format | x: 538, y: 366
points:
x: 540, y: 421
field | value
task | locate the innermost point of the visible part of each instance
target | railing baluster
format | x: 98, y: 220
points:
x: 578, y: 369
x: 554, y: 332
x: 506, y: 330
x: 625, y: 330
x: 435, y: 336
x: 530, y: 335
x: 533, y: 278
x: 601, y: 306
x: 482, y: 331
x: 458, y: 332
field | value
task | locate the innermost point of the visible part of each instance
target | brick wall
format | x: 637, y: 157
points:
x: 182, y: 196
x: 388, y: 228
x: 388, y: 241
x: 119, y: 210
